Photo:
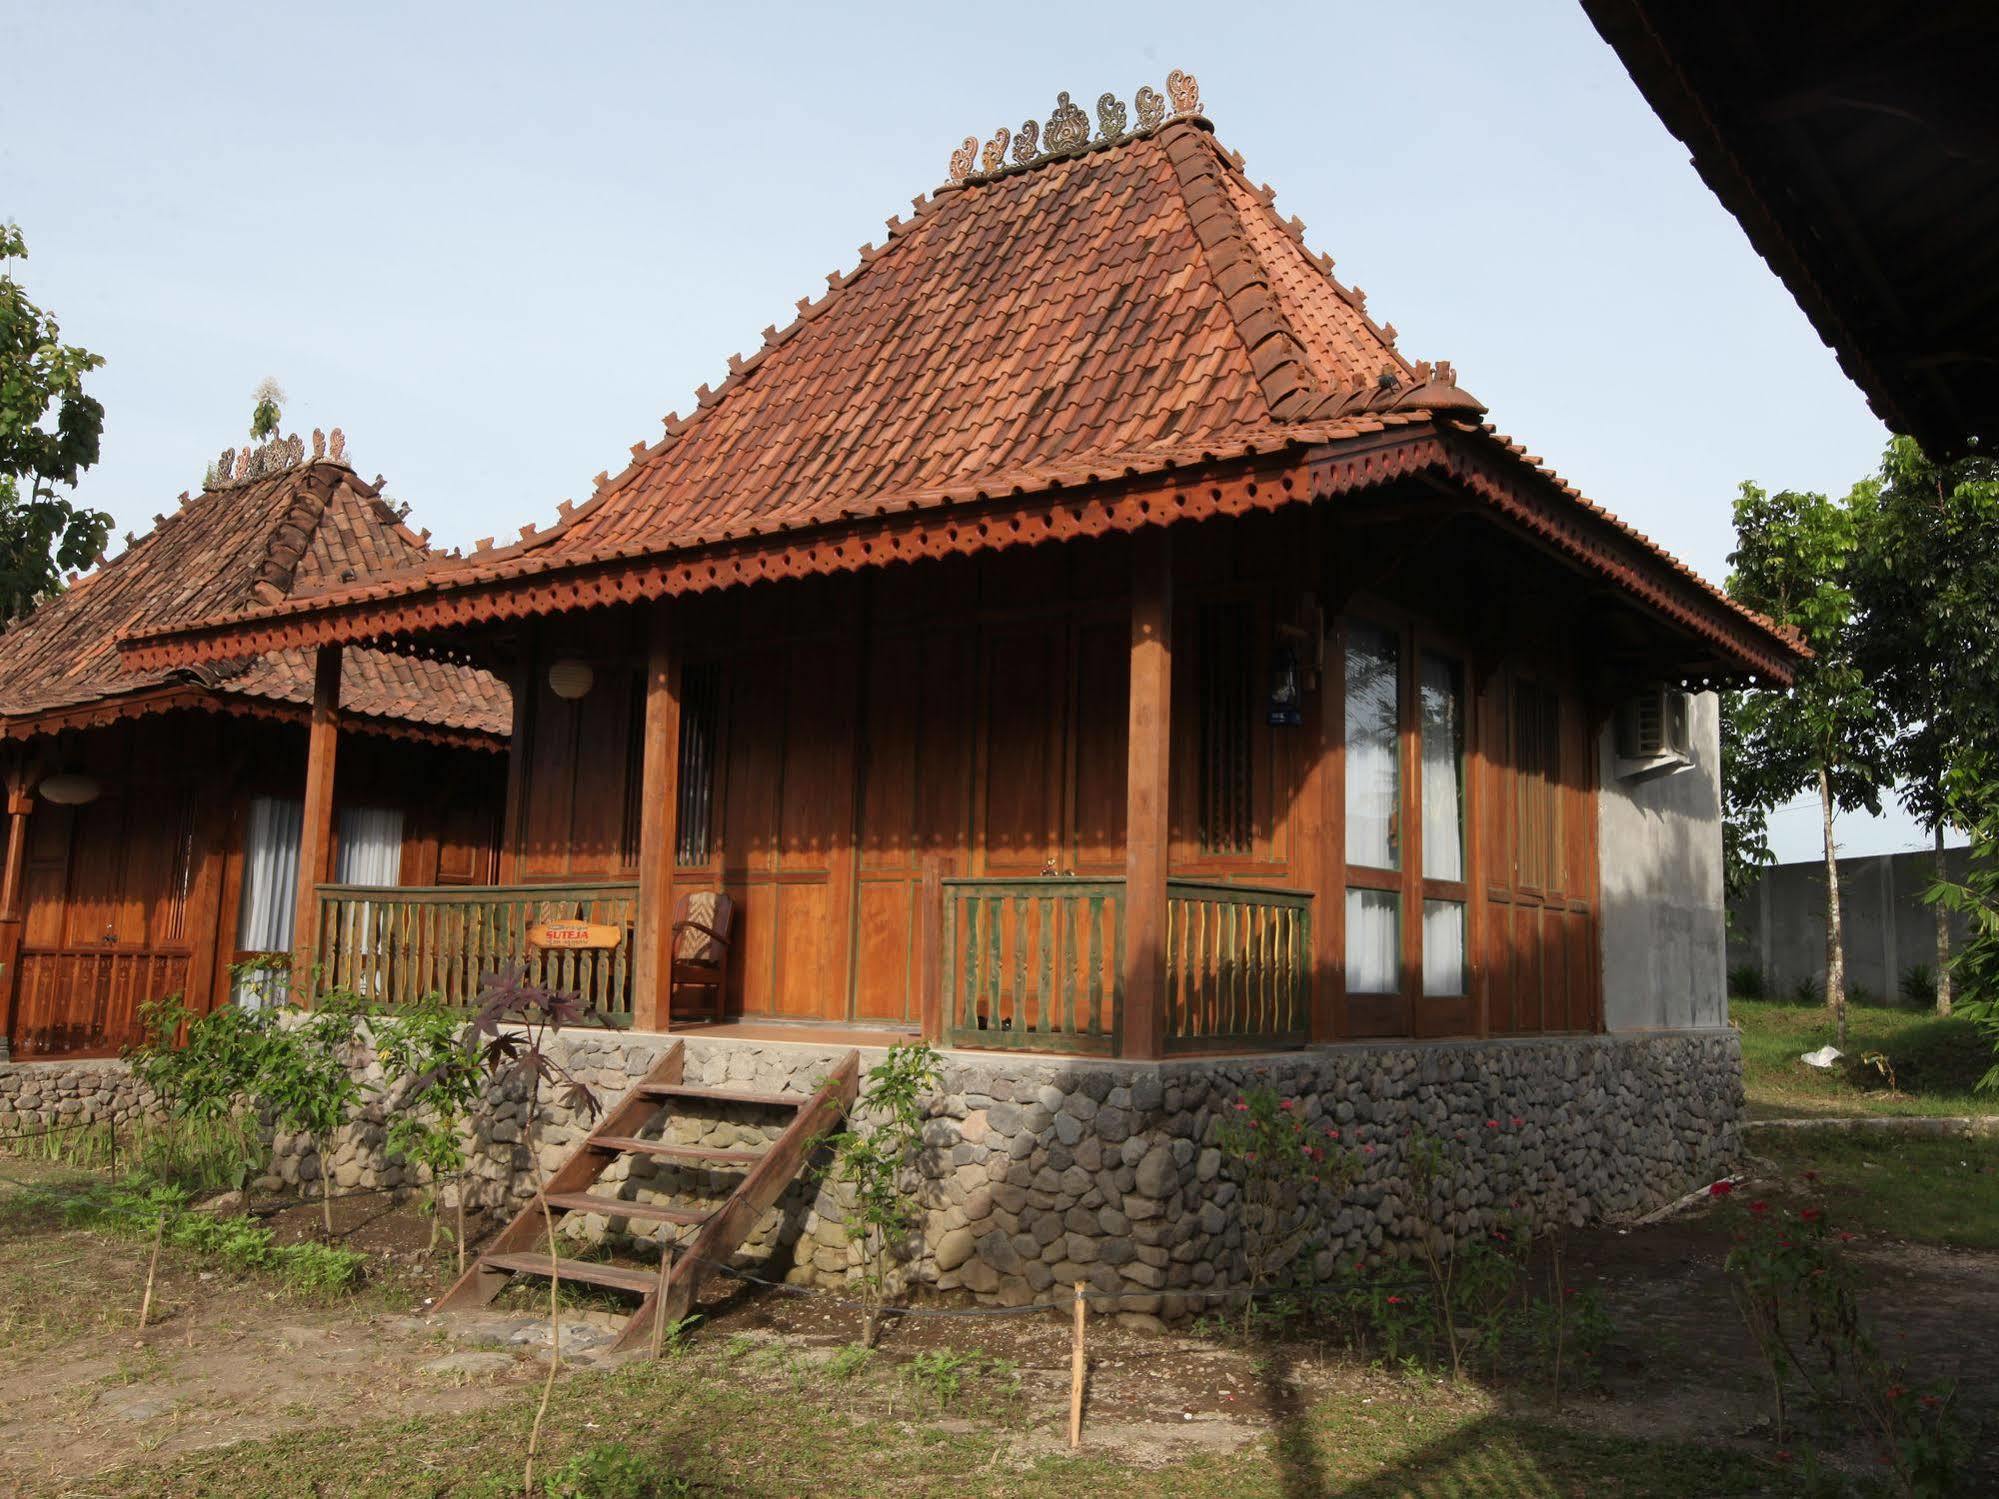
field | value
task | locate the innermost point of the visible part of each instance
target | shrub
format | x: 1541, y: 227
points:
x: 1282, y: 1165
x: 871, y: 1165
x: 1918, y: 986
x: 1745, y: 981
x: 611, y: 1470
x: 1807, y: 991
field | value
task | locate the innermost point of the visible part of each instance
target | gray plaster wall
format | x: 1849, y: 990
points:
x: 1777, y: 927
x: 1663, y: 924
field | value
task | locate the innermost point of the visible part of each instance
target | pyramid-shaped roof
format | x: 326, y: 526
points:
x: 293, y: 524
x: 1122, y: 307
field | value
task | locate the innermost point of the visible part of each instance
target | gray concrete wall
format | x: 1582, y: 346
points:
x: 1659, y: 845
x: 1778, y: 926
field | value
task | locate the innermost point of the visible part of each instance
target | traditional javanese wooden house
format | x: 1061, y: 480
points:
x: 153, y: 813
x: 1080, y: 629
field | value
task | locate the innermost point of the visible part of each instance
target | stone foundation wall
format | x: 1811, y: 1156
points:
x: 1039, y: 1172
x: 40, y: 1096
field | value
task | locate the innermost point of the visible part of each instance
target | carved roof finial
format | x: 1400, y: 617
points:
x: 1067, y: 130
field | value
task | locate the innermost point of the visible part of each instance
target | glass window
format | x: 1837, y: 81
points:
x: 1373, y: 782
x: 1443, y: 947
x: 1442, y: 694
x: 1374, y: 942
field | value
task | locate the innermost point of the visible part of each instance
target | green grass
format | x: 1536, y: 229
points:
x: 1936, y: 1062
x: 690, y: 1418
x: 1934, y: 1191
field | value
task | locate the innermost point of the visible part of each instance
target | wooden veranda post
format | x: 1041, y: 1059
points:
x: 315, y: 845
x: 20, y: 802
x: 1146, y: 791
x: 659, y: 803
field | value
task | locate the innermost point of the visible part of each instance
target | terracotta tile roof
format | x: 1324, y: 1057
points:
x: 1134, y: 308
x: 250, y: 542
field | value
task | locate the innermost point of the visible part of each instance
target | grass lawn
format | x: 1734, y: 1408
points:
x: 690, y: 1421
x: 1936, y: 1062
x: 1934, y: 1191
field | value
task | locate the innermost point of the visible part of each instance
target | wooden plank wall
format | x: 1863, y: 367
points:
x: 134, y: 895
x: 970, y: 715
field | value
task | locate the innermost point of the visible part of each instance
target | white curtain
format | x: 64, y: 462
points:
x: 1443, y: 947
x: 270, y: 885
x: 1374, y: 942
x: 371, y: 846
x: 371, y: 853
x: 1443, y: 761
x: 1371, y: 712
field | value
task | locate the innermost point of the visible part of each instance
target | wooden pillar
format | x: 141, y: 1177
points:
x: 315, y: 845
x: 659, y: 807
x: 20, y: 802
x: 1146, y: 793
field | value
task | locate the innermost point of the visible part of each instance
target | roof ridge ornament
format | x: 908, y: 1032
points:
x: 1067, y: 130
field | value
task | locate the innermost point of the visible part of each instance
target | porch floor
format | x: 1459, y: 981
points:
x: 802, y: 1032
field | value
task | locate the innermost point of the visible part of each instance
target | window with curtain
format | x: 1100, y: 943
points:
x: 371, y: 846
x: 1373, y: 795
x: 270, y: 885
x: 1442, y: 708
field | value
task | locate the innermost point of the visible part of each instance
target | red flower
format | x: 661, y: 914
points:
x: 1241, y: 1107
x: 1810, y: 1215
x: 1516, y: 1122
x: 1896, y: 1392
x: 1759, y: 1207
x: 1721, y: 1189
x: 1286, y: 1103
x: 1368, y: 1148
x: 1395, y: 1301
x: 1845, y: 1237
x: 1331, y: 1133
x: 1783, y: 1454
x: 1492, y: 1124
x: 1930, y: 1400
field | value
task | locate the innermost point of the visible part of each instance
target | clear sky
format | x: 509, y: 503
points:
x: 496, y: 243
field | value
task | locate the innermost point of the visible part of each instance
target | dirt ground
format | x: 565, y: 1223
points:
x: 229, y: 1358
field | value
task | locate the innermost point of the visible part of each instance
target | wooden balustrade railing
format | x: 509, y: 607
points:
x: 1238, y: 966
x: 396, y: 945
x: 1036, y: 963
x: 90, y: 1000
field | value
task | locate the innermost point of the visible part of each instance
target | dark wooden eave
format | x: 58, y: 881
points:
x: 1858, y: 145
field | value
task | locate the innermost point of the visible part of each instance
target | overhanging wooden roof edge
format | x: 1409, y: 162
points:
x: 178, y: 697
x: 1285, y: 473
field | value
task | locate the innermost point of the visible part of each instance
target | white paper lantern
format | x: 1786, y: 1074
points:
x: 570, y: 679
x: 70, y: 789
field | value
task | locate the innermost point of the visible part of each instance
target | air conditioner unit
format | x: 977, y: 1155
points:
x: 1654, y: 733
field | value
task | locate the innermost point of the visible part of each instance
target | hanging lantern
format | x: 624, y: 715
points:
x: 570, y: 679
x: 1285, y: 711
x: 70, y: 789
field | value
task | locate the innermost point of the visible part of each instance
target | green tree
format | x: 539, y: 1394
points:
x: 1925, y: 582
x: 49, y: 434
x: 1793, y: 552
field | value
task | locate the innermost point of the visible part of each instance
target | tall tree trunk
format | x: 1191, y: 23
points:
x: 1835, y: 944
x: 1943, y: 935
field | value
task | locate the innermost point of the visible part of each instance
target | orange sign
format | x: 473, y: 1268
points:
x: 573, y: 934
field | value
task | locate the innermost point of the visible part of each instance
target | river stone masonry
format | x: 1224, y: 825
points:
x: 40, y: 1096
x: 1040, y: 1172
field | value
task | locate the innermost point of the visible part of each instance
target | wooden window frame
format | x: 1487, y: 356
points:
x: 1407, y: 1012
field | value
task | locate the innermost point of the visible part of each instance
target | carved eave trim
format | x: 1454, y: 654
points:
x: 1267, y: 480
x: 189, y: 697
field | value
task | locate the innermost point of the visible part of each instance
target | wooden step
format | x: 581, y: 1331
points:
x: 726, y: 1095
x: 620, y: 1277
x: 630, y: 1145
x: 618, y: 1207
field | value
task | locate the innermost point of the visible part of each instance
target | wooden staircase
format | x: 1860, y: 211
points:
x: 521, y: 1248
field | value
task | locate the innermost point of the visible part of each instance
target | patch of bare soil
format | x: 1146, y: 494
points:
x: 230, y: 1358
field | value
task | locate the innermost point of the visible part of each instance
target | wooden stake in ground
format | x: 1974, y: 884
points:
x: 1076, y: 1373
x: 152, y: 1270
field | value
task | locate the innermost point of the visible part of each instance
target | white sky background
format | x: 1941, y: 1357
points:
x: 496, y: 243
